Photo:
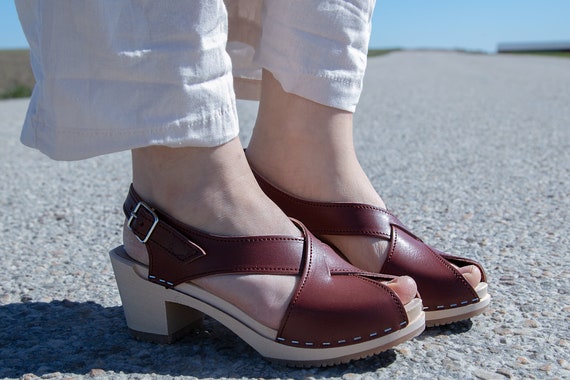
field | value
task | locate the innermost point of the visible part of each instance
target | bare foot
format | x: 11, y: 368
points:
x: 307, y: 149
x: 213, y: 189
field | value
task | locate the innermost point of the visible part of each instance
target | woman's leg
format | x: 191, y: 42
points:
x: 303, y: 137
x: 213, y: 189
x: 307, y: 149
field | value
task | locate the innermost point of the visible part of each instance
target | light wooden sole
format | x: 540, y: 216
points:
x: 154, y: 313
x: 443, y: 317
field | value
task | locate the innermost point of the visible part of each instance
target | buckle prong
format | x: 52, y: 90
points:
x: 134, y: 216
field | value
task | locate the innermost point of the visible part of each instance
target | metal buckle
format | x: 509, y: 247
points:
x: 134, y: 216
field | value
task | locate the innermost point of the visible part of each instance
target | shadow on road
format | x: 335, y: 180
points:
x: 72, y: 337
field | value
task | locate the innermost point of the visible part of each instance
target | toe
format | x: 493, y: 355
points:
x: 472, y: 274
x: 405, y: 287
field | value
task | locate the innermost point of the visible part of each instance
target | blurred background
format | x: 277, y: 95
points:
x: 483, y: 26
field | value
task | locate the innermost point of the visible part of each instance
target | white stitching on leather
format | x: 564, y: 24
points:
x: 474, y: 300
x: 341, y: 341
x: 162, y: 281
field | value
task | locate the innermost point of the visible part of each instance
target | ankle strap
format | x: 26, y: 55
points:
x: 180, y: 253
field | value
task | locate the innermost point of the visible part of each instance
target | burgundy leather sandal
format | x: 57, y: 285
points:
x: 446, y: 295
x: 337, y: 312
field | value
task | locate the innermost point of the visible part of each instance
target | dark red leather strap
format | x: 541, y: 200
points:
x: 331, y: 310
x: 439, y: 283
x: 180, y: 253
x: 325, y: 218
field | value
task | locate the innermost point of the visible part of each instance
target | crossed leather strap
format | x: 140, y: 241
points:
x: 334, y: 303
x: 440, y: 284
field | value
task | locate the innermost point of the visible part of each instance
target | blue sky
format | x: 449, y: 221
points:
x: 466, y: 24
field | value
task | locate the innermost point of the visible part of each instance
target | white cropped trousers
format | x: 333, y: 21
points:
x: 113, y: 75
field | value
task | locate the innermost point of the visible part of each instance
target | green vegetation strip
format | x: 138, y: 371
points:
x: 18, y: 91
x: 378, y: 52
x: 561, y: 54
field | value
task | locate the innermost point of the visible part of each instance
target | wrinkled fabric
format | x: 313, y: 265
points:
x: 114, y: 75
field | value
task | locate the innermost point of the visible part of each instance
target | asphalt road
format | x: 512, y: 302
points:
x: 470, y: 151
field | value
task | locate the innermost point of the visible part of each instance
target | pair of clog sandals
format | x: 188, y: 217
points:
x: 337, y: 313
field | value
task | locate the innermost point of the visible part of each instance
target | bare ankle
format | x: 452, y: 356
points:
x: 307, y: 148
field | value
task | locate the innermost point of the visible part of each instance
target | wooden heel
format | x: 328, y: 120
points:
x: 151, y: 311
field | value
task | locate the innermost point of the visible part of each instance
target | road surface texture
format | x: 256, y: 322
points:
x: 471, y: 151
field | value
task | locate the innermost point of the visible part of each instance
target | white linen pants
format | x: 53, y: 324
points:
x: 114, y: 75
